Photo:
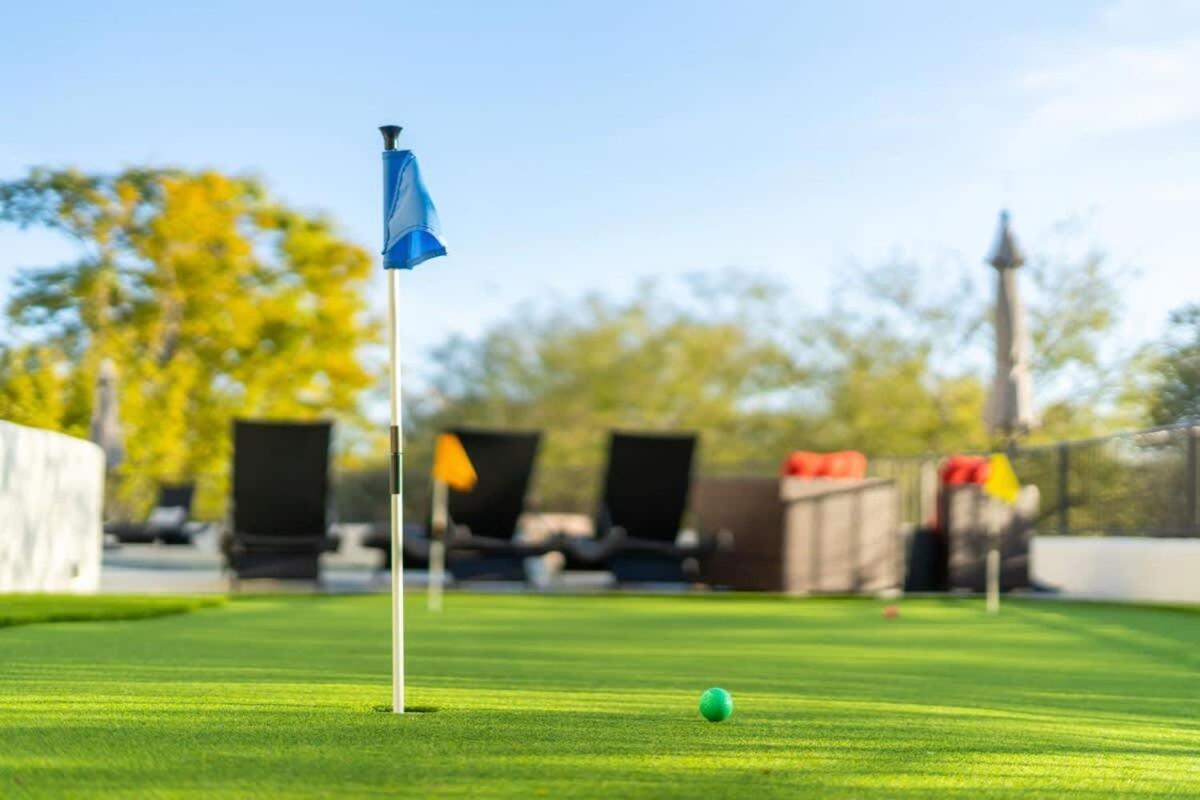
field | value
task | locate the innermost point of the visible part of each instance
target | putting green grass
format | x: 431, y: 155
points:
x: 561, y: 696
x: 27, y: 609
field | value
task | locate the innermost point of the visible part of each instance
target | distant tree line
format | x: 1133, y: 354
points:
x: 217, y: 300
x: 897, y: 365
x: 1175, y: 386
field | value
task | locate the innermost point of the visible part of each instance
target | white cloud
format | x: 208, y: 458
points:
x: 1134, y: 70
x: 1116, y: 88
x: 1148, y: 16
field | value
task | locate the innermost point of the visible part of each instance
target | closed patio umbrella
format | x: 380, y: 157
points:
x: 1009, y: 409
x: 1010, y: 404
x: 106, y: 421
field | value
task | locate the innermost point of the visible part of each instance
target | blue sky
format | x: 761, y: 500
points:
x: 574, y: 146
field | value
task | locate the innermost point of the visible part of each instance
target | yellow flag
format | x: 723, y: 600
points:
x: 451, y: 464
x: 1002, y: 482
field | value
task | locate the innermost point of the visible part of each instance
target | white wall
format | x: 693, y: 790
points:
x: 51, y: 500
x: 1118, y: 567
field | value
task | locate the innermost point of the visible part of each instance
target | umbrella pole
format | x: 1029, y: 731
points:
x: 396, y: 471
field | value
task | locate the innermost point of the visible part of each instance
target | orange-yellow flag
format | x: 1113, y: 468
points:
x: 1002, y: 482
x: 451, y: 464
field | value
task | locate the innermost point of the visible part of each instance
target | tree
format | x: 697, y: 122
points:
x: 905, y: 353
x: 896, y: 363
x: 708, y: 362
x: 1175, y: 391
x: 213, y: 299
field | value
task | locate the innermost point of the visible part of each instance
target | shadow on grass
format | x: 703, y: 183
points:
x: 1151, y: 632
x: 387, y: 709
x: 31, y: 609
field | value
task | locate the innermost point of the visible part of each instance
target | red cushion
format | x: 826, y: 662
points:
x: 802, y: 464
x: 842, y: 464
x: 959, y: 469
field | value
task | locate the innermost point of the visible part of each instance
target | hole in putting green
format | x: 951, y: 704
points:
x: 387, y: 709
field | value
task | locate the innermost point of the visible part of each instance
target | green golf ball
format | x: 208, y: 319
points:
x: 716, y: 705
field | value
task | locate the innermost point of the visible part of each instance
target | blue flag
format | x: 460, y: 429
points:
x: 411, y: 231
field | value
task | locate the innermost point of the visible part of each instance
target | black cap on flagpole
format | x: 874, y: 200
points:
x: 390, y: 134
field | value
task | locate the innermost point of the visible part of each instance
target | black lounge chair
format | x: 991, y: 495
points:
x: 169, y: 522
x: 280, y: 508
x: 646, y: 485
x: 483, y: 522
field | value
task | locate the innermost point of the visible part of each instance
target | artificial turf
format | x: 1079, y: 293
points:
x: 563, y: 696
x: 28, y: 609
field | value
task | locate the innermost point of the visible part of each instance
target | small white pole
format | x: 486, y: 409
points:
x: 993, y: 556
x: 993, y: 580
x: 437, y: 544
x: 397, y: 480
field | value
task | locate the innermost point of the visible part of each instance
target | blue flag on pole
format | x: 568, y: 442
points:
x: 411, y: 231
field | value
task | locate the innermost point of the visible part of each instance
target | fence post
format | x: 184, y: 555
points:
x: 1064, y: 489
x: 1191, y: 481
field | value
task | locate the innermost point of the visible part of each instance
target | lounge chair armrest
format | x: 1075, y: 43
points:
x: 470, y: 542
x: 594, y: 551
x: 124, y: 527
x: 706, y: 545
x: 268, y: 542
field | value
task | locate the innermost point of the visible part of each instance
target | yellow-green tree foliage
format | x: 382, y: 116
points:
x: 214, y: 300
x: 648, y: 363
x: 898, y: 365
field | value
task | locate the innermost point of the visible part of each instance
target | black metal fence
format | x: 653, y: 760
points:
x: 916, y: 485
x: 1140, y: 483
x: 1132, y: 484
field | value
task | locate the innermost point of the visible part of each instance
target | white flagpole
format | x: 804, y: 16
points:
x: 397, y: 471
x: 426, y: 216
x: 437, y: 544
